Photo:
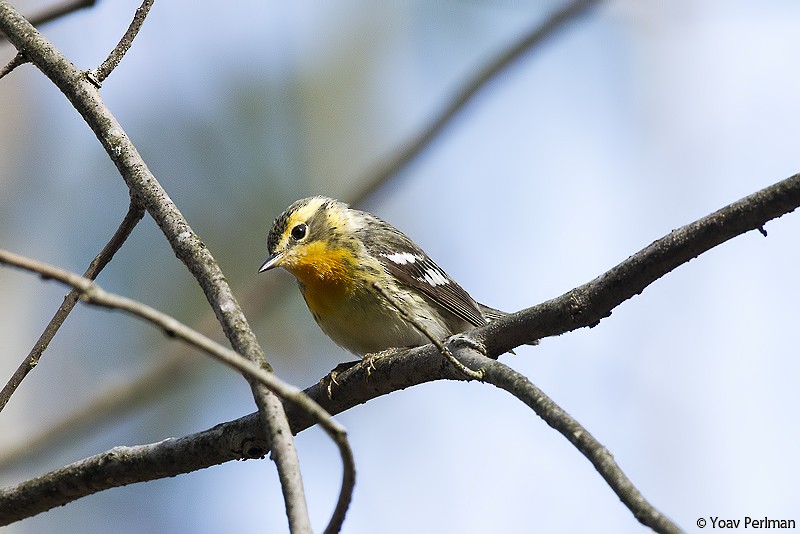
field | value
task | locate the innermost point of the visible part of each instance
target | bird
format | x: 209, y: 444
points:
x: 361, y: 278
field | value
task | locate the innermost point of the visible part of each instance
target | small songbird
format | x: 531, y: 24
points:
x: 338, y: 255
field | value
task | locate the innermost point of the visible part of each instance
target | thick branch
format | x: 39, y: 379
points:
x: 583, y: 306
x: 144, y: 187
x: 586, y: 305
x: 93, y: 294
x: 242, y: 439
x: 265, y: 290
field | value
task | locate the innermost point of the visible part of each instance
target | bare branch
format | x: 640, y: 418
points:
x: 93, y: 294
x: 423, y: 364
x: 42, y: 493
x: 98, y: 75
x: 443, y: 350
x: 254, y: 295
x: 504, y: 377
x: 241, y: 438
x: 588, y: 304
x: 187, y: 246
x: 131, y: 219
x: 15, y: 62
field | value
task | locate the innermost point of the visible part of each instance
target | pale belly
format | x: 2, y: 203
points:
x: 364, y: 322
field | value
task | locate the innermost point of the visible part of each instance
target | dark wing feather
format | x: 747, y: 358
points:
x: 413, y: 268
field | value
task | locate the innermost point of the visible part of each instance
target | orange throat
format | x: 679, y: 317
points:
x: 325, y: 275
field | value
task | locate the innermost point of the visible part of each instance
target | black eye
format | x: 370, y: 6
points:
x: 299, y: 231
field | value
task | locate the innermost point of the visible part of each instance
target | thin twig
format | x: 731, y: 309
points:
x: 416, y: 323
x: 502, y: 376
x: 132, y: 217
x: 98, y: 76
x: 15, y: 62
x: 91, y: 293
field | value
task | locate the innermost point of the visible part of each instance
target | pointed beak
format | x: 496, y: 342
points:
x: 271, y: 262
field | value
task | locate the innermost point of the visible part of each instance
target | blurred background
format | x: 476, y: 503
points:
x: 633, y: 120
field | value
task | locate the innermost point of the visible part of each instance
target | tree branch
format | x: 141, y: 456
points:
x: 255, y: 295
x: 129, y: 222
x: 185, y: 243
x: 503, y: 377
x: 242, y: 438
x: 588, y: 304
x: 93, y: 294
x: 15, y: 62
x: 439, y: 344
x: 98, y: 75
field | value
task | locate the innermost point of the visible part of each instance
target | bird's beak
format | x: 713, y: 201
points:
x: 271, y: 262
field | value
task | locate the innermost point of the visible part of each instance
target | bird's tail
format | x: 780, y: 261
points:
x: 492, y: 314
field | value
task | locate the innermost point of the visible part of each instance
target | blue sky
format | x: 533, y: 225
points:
x: 638, y: 119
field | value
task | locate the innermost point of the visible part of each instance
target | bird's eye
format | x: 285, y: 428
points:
x: 299, y: 231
